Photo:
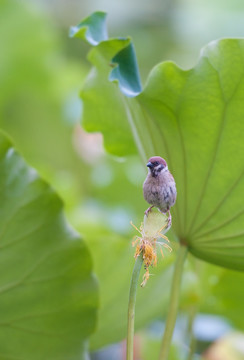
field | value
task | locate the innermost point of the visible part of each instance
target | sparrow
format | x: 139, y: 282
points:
x: 159, y: 188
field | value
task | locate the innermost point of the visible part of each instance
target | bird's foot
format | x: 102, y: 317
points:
x: 169, y: 218
x: 148, y: 210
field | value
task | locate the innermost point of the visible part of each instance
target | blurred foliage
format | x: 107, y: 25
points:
x: 221, y: 293
x: 150, y: 346
x: 48, y: 295
x: 38, y: 88
x: 41, y: 74
x: 40, y: 110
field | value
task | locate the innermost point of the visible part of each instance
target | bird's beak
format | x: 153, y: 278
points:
x: 150, y: 165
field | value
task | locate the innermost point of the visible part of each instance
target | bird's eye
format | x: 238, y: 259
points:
x: 156, y: 163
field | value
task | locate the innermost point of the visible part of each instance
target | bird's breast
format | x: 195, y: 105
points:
x: 152, y: 190
x: 160, y: 191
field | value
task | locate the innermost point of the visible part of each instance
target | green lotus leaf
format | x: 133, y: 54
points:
x: 126, y: 71
x: 103, y: 103
x: 48, y: 295
x: 92, y: 29
x: 199, y: 114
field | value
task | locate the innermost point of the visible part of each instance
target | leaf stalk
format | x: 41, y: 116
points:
x: 173, y: 304
x: 131, y: 307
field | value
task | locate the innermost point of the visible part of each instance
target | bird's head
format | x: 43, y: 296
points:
x: 157, y: 165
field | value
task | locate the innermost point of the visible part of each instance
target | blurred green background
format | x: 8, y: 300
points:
x: 41, y: 72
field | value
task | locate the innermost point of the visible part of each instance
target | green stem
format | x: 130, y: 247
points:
x: 192, y: 348
x: 192, y: 343
x: 139, y: 128
x: 173, y: 305
x: 131, y: 307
